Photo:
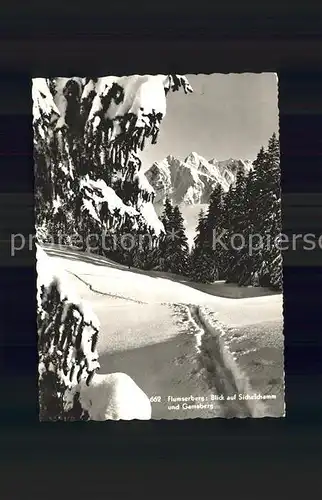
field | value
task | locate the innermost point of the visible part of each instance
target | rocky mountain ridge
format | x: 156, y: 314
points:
x: 192, y: 181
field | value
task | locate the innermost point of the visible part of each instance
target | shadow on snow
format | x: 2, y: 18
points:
x: 218, y: 289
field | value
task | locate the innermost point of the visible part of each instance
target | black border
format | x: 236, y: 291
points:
x: 289, y: 42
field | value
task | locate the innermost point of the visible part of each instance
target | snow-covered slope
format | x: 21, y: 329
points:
x: 142, y: 334
x: 192, y: 181
x: 113, y: 288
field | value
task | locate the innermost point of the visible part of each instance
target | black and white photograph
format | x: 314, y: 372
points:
x: 158, y: 244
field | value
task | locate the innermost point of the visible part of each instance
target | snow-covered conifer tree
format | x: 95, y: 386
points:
x: 202, y: 260
x: 235, y: 224
x: 180, y: 247
x: 164, y: 246
x: 88, y: 133
x: 213, y: 228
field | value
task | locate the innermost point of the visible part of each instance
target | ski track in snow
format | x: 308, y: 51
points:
x: 218, y: 376
x: 115, y: 296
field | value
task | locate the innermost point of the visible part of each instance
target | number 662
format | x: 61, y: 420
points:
x: 155, y: 399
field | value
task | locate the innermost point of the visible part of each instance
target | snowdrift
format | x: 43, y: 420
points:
x: 115, y: 397
x: 68, y: 358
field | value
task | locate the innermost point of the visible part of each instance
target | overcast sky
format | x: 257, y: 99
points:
x: 226, y: 116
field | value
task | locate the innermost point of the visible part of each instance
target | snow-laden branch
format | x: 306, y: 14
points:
x: 67, y: 332
x: 96, y: 193
x: 114, y: 118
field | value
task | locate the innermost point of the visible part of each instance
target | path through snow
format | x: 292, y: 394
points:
x: 144, y: 335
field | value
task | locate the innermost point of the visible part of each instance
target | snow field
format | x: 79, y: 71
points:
x: 137, y: 314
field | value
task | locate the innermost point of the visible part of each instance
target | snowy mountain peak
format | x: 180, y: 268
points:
x: 193, y: 157
x: 196, y: 160
x: 192, y: 181
x: 232, y: 163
